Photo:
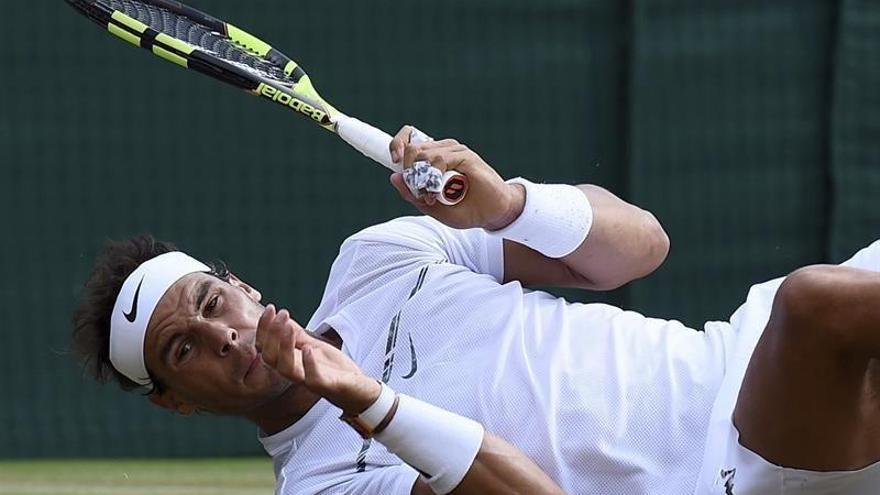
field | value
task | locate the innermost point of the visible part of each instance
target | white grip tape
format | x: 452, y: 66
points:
x: 370, y: 141
x: 440, y: 444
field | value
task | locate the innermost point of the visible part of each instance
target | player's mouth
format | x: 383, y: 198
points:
x: 256, y: 361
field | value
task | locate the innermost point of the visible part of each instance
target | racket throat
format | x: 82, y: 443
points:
x: 316, y: 111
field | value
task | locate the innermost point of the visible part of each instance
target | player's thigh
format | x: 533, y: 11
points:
x: 800, y: 395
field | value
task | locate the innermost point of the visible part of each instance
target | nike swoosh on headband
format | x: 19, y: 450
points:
x: 132, y: 315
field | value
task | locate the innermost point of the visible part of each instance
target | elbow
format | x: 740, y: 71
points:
x: 646, y: 250
x: 656, y: 244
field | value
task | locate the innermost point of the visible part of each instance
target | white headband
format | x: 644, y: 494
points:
x: 134, y: 307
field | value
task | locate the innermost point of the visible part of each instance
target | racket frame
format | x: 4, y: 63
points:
x: 193, y: 57
x: 363, y: 137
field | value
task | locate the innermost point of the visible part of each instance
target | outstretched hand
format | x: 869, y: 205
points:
x: 309, y: 361
x: 490, y: 203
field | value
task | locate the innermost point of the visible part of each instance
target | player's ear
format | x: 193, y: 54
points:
x: 170, y: 402
x: 250, y: 291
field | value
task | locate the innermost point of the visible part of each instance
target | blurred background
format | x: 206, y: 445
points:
x: 750, y: 128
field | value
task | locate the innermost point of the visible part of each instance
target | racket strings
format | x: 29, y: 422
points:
x: 198, y: 35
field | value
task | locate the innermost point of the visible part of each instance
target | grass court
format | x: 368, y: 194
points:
x: 137, y: 477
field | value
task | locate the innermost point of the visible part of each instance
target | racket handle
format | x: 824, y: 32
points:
x: 375, y: 144
x: 370, y: 141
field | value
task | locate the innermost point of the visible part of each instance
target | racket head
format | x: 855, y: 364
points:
x: 195, y: 40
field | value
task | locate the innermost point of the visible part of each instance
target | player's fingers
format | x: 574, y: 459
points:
x: 413, y: 152
x: 399, y: 184
x: 405, y: 193
x: 439, y: 159
x: 443, y: 143
x: 280, y: 320
x: 278, y: 333
x: 281, y: 326
x: 314, y: 378
x: 309, y: 338
x: 285, y: 349
x: 299, y: 374
x: 263, y: 325
x: 399, y: 142
x: 269, y: 353
x: 300, y: 337
x: 459, y: 159
x: 436, y: 157
x: 291, y: 361
x: 409, y: 153
x: 268, y: 315
x: 455, y: 148
x: 444, y: 161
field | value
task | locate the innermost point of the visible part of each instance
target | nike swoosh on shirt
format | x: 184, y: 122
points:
x: 131, y: 316
x: 391, y: 344
x: 415, y: 361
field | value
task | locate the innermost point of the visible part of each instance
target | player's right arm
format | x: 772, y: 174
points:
x: 624, y: 242
x: 424, y: 436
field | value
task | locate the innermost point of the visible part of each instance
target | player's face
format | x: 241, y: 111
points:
x: 200, y: 346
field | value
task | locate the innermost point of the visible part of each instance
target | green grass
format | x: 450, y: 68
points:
x: 137, y: 477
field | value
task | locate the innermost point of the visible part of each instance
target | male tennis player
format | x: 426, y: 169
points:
x: 427, y: 368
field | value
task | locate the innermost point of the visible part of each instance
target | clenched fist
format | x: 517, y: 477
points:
x: 490, y: 203
x: 309, y: 361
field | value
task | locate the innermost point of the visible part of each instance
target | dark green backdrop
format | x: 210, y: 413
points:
x: 751, y: 128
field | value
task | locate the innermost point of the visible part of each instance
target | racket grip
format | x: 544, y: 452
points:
x: 370, y: 141
x: 376, y: 144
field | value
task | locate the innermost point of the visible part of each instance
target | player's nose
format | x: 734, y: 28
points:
x: 220, y: 338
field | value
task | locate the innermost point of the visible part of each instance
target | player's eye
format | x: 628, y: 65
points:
x: 212, y: 305
x: 183, y: 350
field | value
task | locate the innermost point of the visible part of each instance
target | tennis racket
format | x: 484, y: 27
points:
x: 198, y: 41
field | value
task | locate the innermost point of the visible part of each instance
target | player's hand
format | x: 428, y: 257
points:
x: 490, y: 202
x: 320, y: 367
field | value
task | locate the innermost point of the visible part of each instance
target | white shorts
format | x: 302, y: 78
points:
x: 739, y: 471
x: 729, y: 468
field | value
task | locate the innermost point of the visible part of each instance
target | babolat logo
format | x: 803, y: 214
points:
x: 285, y: 99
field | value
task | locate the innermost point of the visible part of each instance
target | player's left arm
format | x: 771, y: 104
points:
x: 624, y: 242
x: 461, y: 456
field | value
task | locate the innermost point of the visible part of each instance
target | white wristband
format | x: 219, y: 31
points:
x: 555, y: 220
x: 440, y: 444
x: 377, y: 412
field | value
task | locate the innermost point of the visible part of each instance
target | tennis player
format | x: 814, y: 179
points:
x: 428, y: 368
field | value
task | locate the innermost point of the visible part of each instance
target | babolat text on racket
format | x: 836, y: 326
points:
x: 198, y: 41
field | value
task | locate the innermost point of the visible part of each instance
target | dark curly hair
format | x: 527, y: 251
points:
x: 91, y: 319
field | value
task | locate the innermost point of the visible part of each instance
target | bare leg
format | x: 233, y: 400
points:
x: 810, y: 398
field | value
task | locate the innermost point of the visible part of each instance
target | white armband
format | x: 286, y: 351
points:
x: 555, y: 220
x: 440, y: 444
